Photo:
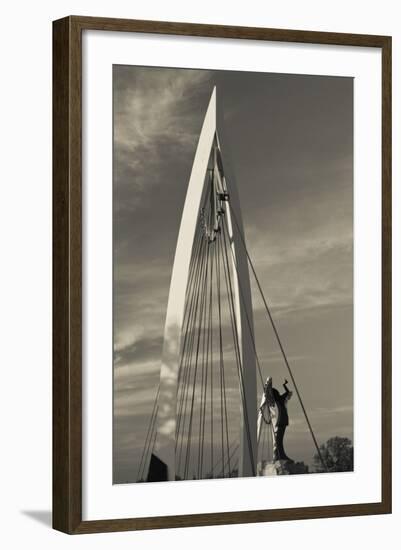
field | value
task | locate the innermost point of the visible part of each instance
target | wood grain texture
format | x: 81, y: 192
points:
x: 386, y: 275
x: 67, y: 278
x: 224, y: 31
x: 67, y: 274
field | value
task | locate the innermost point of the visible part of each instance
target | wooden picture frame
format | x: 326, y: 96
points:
x: 67, y: 274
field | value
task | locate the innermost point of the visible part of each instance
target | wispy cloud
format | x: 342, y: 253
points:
x: 152, y: 115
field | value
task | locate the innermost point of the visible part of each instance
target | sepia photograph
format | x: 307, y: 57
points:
x: 232, y: 274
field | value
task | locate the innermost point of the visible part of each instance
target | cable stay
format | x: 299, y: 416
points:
x: 149, y: 442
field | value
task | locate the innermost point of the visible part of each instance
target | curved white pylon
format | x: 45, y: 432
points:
x: 167, y: 399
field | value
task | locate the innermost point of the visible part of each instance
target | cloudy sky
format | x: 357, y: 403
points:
x: 292, y: 153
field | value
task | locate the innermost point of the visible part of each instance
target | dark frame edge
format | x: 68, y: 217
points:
x: 230, y: 518
x: 67, y: 276
x: 387, y: 273
x: 227, y: 31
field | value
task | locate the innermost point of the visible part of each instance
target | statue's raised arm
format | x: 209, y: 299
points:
x: 287, y: 394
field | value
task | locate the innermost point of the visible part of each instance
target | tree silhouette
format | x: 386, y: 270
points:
x: 337, y: 453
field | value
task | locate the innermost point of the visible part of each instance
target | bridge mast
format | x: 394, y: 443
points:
x: 211, y: 134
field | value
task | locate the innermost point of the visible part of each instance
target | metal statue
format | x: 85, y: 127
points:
x: 273, y: 411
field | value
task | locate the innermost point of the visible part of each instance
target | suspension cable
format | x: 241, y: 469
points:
x: 237, y: 350
x: 223, y: 397
x: 149, y: 435
x: 242, y: 297
x: 189, y: 440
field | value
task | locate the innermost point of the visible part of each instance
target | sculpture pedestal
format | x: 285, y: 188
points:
x: 282, y: 468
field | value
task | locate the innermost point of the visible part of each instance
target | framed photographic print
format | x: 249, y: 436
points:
x: 222, y: 274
